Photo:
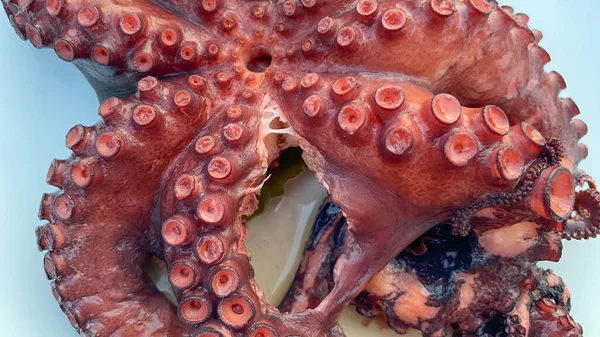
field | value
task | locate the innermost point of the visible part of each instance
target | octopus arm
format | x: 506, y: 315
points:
x: 115, y: 43
x: 99, y: 220
x: 401, y: 131
x: 542, y: 309
x: 478, y: 51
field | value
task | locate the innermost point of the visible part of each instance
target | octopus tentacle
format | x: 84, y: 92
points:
x: 393, y: 120
x: 95, y: 243
x: 586, y: 223
x: 462, y: 33
x: 472, y: 47
x: 582, y: 178
x: 542, y: 309
x: 213, y: 184
x: 391, y: 25
x: 527, y: 185
x: 116, y: 44
x: 553, y: 321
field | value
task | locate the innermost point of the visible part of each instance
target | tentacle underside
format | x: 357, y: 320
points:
x: 96, y: 243
x: 213, y: 184
x: 389, y: 119
x: 116, y: 43
x: 408, y: 111
x: 479, y: 52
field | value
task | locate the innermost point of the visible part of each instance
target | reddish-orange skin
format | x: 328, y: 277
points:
x: 398, y: 161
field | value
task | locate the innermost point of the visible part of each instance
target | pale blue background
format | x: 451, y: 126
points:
x: 42, y: 97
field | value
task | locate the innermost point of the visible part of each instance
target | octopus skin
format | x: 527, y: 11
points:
x: 198, y: 98
x: 484, y: 284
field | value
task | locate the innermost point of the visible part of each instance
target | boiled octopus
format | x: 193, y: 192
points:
x: 414, y: 114
x: 483, y: 284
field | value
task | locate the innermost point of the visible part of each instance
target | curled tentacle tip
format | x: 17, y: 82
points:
x: 585, y: 223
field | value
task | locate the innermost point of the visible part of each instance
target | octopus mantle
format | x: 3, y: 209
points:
x: 411, y: 113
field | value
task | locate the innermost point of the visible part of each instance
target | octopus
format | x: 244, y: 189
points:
x: 449, y: 157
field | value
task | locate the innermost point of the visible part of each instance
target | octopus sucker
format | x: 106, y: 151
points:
x: 448, y: 164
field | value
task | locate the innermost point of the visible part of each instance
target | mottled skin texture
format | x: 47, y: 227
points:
x: 411, y: 113
x: 471, y: 283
